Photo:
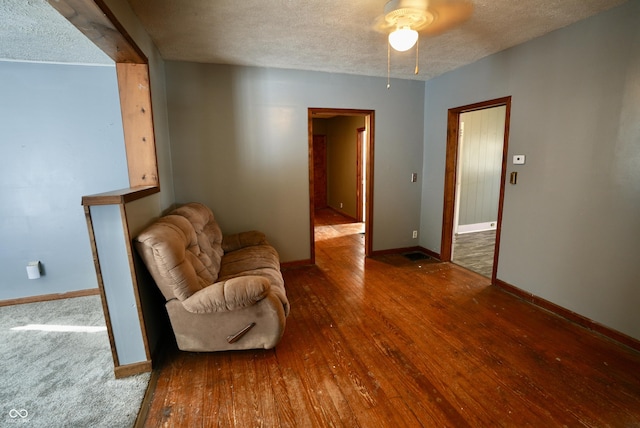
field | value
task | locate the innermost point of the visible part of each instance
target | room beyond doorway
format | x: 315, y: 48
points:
x: 485, y: 164
x: 341, y: 167
x: 480, y: 153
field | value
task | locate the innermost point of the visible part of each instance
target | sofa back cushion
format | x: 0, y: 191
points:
x: 182, y: 251
x: 208, y: 234
x: 166, y: 247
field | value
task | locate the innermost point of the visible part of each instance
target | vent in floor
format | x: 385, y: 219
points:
x: 416, y: 255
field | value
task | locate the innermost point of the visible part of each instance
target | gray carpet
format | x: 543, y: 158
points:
x: 53, y: 375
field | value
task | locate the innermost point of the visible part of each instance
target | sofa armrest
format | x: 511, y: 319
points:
x: 234, y: 293
x: 243, y: 239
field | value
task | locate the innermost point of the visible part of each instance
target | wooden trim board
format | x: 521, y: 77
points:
x: 48, y: 297
x: 570, y: 315
x: 132, y: 369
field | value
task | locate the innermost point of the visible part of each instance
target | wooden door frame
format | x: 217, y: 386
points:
x: 359, y: 194
x: 451, y: 166
x: 369, y: 117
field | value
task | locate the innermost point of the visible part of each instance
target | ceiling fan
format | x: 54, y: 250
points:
x: 405, y: 20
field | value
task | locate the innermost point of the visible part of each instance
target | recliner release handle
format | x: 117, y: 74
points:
x: 235, y: 337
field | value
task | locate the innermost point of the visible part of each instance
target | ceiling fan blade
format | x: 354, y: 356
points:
x: 405, y: 4
x: 446, y: 15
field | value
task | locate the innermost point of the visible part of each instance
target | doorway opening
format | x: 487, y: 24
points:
x: 341, y: 173
x: 476, y: 161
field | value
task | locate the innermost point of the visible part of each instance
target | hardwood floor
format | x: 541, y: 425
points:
x: 388, y: 342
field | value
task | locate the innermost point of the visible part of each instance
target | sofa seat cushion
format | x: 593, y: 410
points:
x: 257, y: 260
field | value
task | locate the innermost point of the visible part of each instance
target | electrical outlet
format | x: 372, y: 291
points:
x: 414, y: 177
x: 415, y: 234
x: 341, y: 205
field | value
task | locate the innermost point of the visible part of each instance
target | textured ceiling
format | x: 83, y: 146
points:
x: 338, y: 35
x: 31, y: 30
x: 321, y: 35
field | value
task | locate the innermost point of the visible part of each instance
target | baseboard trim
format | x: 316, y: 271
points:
x: 570, y: 315
x: 394, y: 251
x: 47, y: 297
x: 342, y: 213
x: 296, y: 263
x: 132, y: 369
x: 307, y: 262
x: 476, y: 227
x: 430, y: 253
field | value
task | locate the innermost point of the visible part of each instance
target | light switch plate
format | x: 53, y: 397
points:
x: 518, y: 159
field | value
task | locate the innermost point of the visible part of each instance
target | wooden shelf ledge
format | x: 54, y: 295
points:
x: 121, y: 196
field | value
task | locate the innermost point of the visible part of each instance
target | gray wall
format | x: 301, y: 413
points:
x: 60, y: 138
x: 239, y: 140
x: 571, y: 224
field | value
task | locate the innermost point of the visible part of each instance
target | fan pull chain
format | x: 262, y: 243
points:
x: 388, y: 65
x: 417, y: 70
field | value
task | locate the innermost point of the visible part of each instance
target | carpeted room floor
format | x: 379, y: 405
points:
x: 57, y: 369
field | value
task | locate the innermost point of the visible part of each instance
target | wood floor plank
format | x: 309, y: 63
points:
x: 391, y: 342
x: 313, y: 369
x: 219, y: 392
x: 355, y: 379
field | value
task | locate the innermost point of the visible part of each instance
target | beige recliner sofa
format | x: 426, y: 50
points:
x: 221, y: 293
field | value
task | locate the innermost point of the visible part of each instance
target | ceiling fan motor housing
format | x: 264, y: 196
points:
x: 407, y: 13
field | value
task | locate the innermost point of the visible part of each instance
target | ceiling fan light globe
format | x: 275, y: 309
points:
x: 403, y: 39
